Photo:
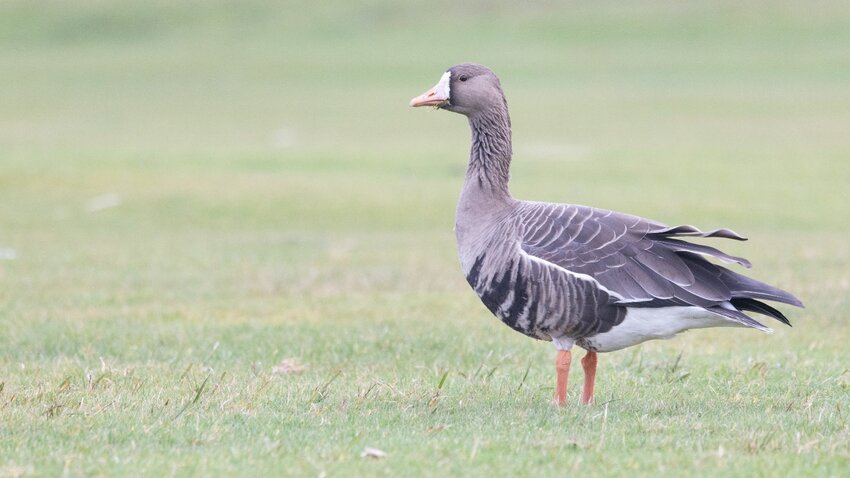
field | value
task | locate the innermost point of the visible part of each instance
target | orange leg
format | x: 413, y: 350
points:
x: 562, y: 366
x: 589, y: 365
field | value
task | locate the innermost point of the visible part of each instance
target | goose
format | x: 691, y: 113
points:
x: 576, y: 275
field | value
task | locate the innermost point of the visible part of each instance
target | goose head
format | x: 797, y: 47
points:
x: 467, y: 89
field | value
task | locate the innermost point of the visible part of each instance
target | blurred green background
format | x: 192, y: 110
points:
x: 201, y: 189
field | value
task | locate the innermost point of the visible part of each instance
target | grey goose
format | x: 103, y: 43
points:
x: 578, y: 275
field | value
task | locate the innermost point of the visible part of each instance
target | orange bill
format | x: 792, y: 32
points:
x: 436, y: 96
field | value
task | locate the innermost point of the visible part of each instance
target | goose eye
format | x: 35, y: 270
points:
x: 463, y: 78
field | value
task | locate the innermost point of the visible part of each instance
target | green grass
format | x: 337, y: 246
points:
x: 279, y: 200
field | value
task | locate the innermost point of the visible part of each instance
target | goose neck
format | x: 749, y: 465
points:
x: 490, y: 153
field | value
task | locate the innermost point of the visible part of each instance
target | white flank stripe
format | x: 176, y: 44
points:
x: 577, y: 275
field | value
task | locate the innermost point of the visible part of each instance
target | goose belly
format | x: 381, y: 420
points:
x: 539, y: 302
x: 642, y: 324
x: 502, y: 285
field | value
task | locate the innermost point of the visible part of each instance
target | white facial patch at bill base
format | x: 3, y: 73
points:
x: 443, y: 89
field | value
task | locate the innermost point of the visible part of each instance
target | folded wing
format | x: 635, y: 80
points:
x: 643, y: 263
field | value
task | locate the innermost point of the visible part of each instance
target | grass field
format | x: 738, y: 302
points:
x: 195, y: 193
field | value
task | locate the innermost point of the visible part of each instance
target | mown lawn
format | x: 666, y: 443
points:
x: 226, y: 242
